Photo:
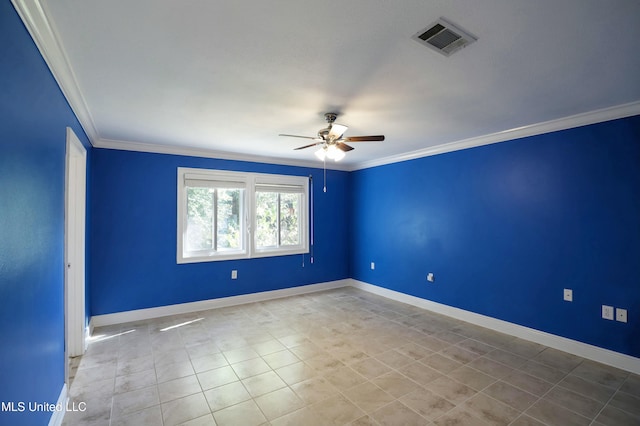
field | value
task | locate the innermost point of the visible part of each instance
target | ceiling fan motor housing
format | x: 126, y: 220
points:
x: 323, y: 133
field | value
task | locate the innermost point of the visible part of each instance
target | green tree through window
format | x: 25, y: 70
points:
x: 213, y: 219
x: 277, y: 219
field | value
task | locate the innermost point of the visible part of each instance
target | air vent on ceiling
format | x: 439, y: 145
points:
x: 444, y: 37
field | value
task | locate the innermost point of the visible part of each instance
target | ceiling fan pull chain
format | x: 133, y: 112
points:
x: 324, y: 163
x: 313, y: 223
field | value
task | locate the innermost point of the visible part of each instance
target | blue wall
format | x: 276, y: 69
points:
x: 33, y: 119
x: 133, y: 228
x: 506, y: 227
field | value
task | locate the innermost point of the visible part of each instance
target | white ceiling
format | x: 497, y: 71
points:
x: 229, y: 76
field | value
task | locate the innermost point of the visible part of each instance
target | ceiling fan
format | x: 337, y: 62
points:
x: 332, y: 140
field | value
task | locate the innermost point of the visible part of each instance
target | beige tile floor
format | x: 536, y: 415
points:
x: 334, y: 358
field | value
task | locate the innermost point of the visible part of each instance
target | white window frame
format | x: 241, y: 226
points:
x: 250, y: 182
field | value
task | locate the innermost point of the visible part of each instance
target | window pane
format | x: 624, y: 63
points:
x: 266, y: 219
x: 229, y: 219
x: 289, y: 219
x: 199, y: 235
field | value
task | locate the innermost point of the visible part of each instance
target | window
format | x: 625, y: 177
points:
x: 278, y: 216
x: 232, y: 215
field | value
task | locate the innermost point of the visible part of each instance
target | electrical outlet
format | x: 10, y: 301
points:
x: 430, y: 277
x: 621, y: 315
x: 373, y: 265
x: 607, y: 312
x: 568, y: 295
x: 234, y: 275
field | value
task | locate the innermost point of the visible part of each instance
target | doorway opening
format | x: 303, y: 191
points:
x: 74, y: 253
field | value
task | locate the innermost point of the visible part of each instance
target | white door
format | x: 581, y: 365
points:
x: 76, y: 169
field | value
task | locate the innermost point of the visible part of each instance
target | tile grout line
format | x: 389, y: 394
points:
x: 609, y: 401
x: 386, y: 312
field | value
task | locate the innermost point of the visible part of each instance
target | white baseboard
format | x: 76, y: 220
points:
x: 88, y: 331
x: 203, y: 305
x: 584, y: 350
x: 58, y: 415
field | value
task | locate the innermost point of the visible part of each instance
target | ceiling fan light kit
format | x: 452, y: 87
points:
x: 331, y: 152
x: 332, y: 141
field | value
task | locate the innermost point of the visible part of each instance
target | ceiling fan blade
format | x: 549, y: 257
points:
x: 344, y: 147
x: 337, y: 130
x: 308, y: 146
x: 297, y: 136
x: 376, y: 138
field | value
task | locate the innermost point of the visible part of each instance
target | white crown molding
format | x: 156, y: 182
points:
x: 34, y: 17
x: 584, y: 119
x: 206, y: 153
x: 584, y: 350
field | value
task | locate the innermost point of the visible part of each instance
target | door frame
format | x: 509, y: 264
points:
x: 74, y: 248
